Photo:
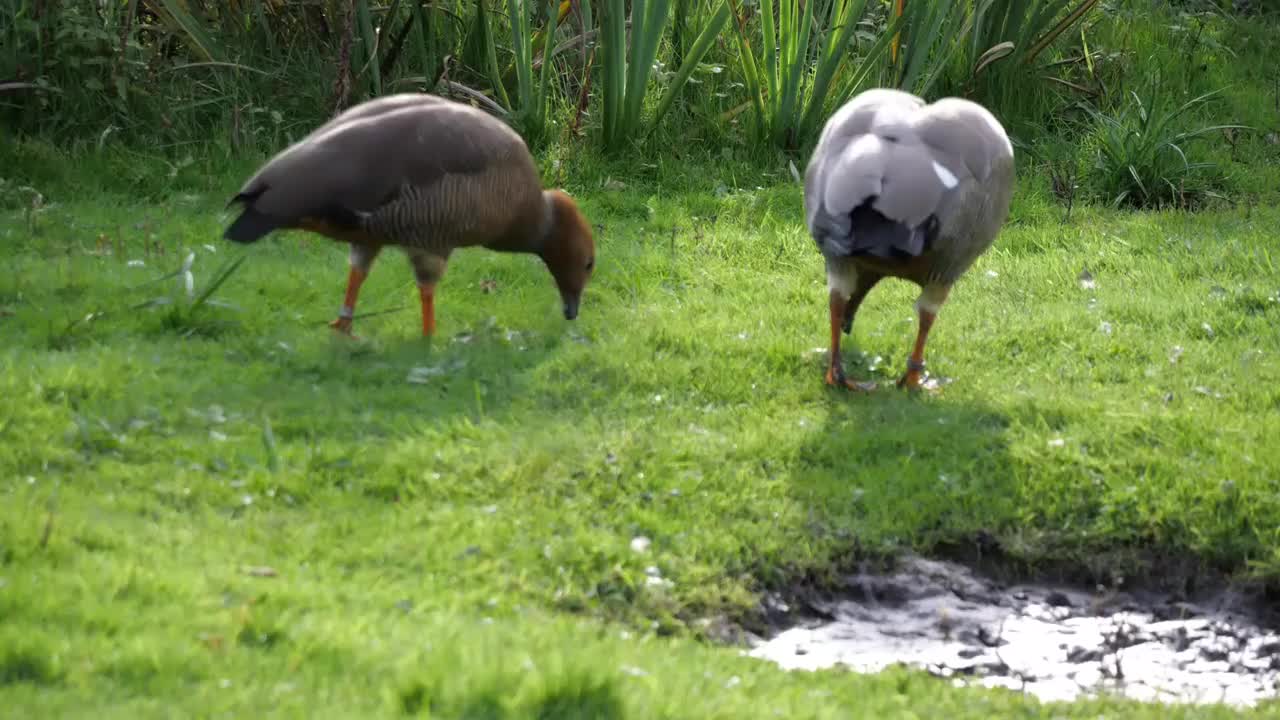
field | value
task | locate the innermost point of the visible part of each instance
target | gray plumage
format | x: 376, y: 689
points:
x: 892, y: 177
x: 900, y: 188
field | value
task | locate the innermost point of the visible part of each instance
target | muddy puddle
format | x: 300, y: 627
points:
x: 1056, y: 643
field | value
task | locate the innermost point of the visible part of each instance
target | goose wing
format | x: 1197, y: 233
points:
x: 363, y: 159
x: 890, y: 173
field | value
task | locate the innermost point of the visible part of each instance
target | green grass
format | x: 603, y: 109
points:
x: 463, y: 545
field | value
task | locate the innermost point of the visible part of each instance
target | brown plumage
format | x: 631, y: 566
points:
x: 900, y: 188
x: 428, y: 175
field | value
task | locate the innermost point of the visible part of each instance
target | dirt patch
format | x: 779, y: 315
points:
x: 1057, y: 641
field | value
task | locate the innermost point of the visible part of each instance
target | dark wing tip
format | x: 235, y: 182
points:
x: 872, y: 233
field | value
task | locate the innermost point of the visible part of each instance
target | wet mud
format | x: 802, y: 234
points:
x: 1057, y: 642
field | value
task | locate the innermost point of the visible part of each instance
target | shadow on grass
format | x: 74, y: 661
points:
x: 24, y: 663
x: 889, y: 473
x: 379, y: 391
x: 908, y: 469
x: 893, y: 471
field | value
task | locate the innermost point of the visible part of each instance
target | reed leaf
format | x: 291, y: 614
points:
x: 220, y: 276
x: 932, y: 31
x: 691, y: 59
x: 369, y: 45
x: 802, y: 56
x: 420, y: 37
x: 1141, y: 160
x: 531, y: 113
x: 857, y: 74
x: 750, y: 69
x: 645, y: 33
x: 522, y: 50
x: 540, y: 37
x: 613, y: 47
x: 490, y: 53
x: 553, y: 21
x: 1029, y: 25
x: 264, y: 26
x: 1065, y: 23
x: 197, y: 38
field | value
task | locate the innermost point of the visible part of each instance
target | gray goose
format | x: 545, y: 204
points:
x: 900, y: 188
x: 428, y: 175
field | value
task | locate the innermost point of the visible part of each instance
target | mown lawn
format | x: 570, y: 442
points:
x: 230, y: 511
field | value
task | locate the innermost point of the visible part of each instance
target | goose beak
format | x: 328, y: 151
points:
x: 570, y: 307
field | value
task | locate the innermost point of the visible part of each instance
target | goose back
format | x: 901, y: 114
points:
x: 412, y: 170
x: 911, y: 189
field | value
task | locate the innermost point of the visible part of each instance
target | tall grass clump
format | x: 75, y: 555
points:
x: 1001, y: 64
x: 932, y: 32
x: 806, y: 64
x: 532, y: 108
x: 1144, y: 154
x: 629, y: 60
x: 165, y: 73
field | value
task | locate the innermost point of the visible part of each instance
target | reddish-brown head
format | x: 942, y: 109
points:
x: 569, y: 250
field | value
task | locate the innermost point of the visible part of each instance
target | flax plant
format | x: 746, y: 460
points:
x: 790, y: 82
x: 531, y: 110
x: 629, y: 60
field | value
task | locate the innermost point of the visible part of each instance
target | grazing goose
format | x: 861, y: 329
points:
x: 900, y: 188
x: 426, y: 174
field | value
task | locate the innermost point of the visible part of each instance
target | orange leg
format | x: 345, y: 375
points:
x: 915, y: 364
x: 362, y: 258
x: 428, y: 269
x: 355, y: 278
x: 428, y: 295
x: 835, y: 369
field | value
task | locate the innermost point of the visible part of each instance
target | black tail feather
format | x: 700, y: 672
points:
x: 251, y: 226
x: 871, y: 233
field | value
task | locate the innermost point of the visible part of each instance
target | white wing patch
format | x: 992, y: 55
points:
x: 856, y: 173
x: 948, y: 179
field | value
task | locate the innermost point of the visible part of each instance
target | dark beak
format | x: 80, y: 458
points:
x: 570, y: 307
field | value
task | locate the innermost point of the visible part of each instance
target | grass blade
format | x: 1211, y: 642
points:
x: 1058, y: 29
x: 694, y: 56
x: 770, y: 30
x: 613, y: 23
x: 418, y: 37
x: 369, y: 43
x: 750, y: 71
x: 867, y: 64
x: 636, y: 72
x: 798, y: 63
x: 491, y: 54
x: 554, y: 16
x: 174, y: 14
x: 222, y: 275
